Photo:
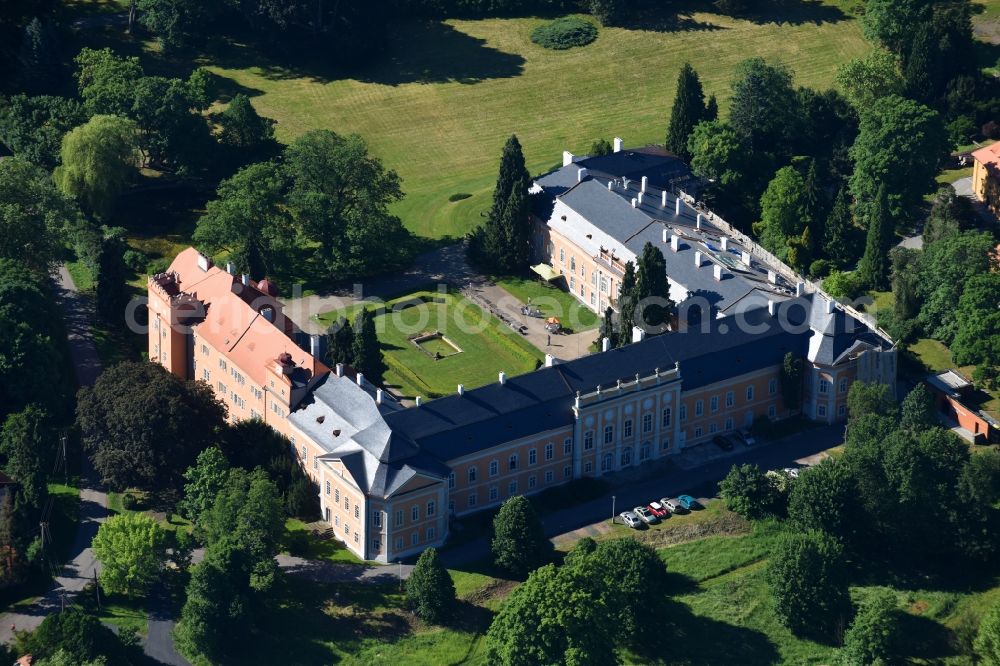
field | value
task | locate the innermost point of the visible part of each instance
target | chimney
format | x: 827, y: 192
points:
x: 698, y: 220
x: 611, y: 185
x: 675, y: 243
x: 619, y: 144
x: 638, y: 335
x: 418, y: 400
x: 461, y: 389
x: 361, y: 379
x: 645, y: 182
x: 717, y: 272
x: 203, y: 262
x: 697, y: 258
x: 581, y: 174
x: 378, y: 396
x: 503, y: 378
x: 245, y: 279
x: 316, y: 346
x: 830, y: 306
x: 339, y: 369
x: 725, y: 244
x: 746, y: 257
x: 800, y: 288
x: 231, y: 268
x: 550, y: 360
x: 772, y: 308
x: 665, y: 235
x: 677, y: 206
x: 634, y: 202
x: 605, y: 344
x: 663, y: 199
x: 639, y: 198
x: 772, y: 277
x: 567, y: 158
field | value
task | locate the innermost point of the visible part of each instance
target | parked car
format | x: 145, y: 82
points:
x: 744, y: 437
x: 630, y: 519
x: 675, y: 505
x: 645, y: 515
x: 791, y: 472
x: 688, y: 502
x: 722, y: 442
x: 659, y: 510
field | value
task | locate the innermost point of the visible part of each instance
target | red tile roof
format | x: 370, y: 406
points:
x: 988, y: 156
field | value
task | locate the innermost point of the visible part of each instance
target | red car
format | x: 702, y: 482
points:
x: 659, y: 510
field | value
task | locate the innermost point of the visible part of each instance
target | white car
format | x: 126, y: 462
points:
x: 674, y: 505
x: 791, y: 472
x: 630, y: 519
x: 645, y: 515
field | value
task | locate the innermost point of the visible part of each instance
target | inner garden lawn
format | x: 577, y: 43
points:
x: 487, y: 346
x: 551, y: 300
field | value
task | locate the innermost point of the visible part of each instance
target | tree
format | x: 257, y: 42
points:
x: 792, y: 372
x: 430, y: 591
x: 762, y: 108
x: 243, y: 128
x: 340, y: 343
x: 870, y: 77
x: 924, y: 72
x: 76, y: 633
x: 917, y: 410
x: 904, y: 276
x: 11, y: 544
x: 608, y: 328
x: 98, y: 161
x: 783, y: 211
x: 340, y: 197
x: 840, y: 239
x: 900, y: 145
x: 217, y: 603
x: 40, y: 56
x: 178, y: 23
x: 607, y: 12
x: 367, y: 356
x: 950, y: 214
x: 204, y: 481
x: 501, y: 244
x: 132, y: 549
x: 33, y: 127
x: 34, y: 216
x: 600, y: 148
x: 890, y: 22
x: 106, y: 81
x: 143, y: 426
x: 870, y: 398
x: 946, y: 268
x: 172, y: 133
x: 553, y: 618
x: 652, y: 289
x: 873, y: 271
x: 987, y: 643
x: 688, y: 111
x: 248, y: 219
x: 28, y: 451
x: 519, y: 543
x: 749, y: 492
x: 824, y: 500
x: 723, y: 156
x: 711, y: 109
x: 808, y: 583
x: 112, y: 292
x: 870, y: 638
x: 977, y: 340
x: 628, y: 300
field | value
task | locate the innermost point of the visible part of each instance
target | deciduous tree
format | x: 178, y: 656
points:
x: 33, y: 127
x: 917, y: 411
x: 808, y: 583
x: 430, y: 591
x: 751, y: 493
x: 28, y: 451
x: 870, y: 77
x: 106, y: 81
x: 871, y: 637
x: 132, y: 549
x: 98, y: 162
x: 519, y: 543
x: 823, y: 500
x: 203, y: 482
x: 34, y: 216
x: 243, y: 128
x: 762, y: 107
x: 987, y: 642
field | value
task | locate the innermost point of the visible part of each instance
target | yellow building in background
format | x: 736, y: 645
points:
x: 986, y: 176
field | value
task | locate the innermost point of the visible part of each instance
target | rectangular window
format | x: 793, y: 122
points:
x: 512, y: 462
x: 730, y: 399
x: 327, y: 487
x: 665, y: 420
x: 713, y: 403
x: 772, y: 386
x: 609, y: 434
x: 532, y: 481
x: 431, y: 508
x: 572, y: 283
x: 532, y: 456
x: 593, y: 300
x: 512, y: 488
x: 399, y: 518
x: 588, y: 467
x: 567, y: 447
x: 431, y: 533
x: 699, y: 407
x: 206, y: 375
x: 472, y: 475
x: 749, y: 393
x: 712, y: 428
x: 377, y: 519
x: 415, y: 513
x: 305, y: 454
x: 772, y: 412
x: 588, y: 440
x: 572, y: 263
x: 399, y: 543
x: 357, y: 512
x: 204, y: 350
x: 821, y: 410
x: 414, y: 539
x: 472, y: 499
x: 567, y: 472
x: 843, y: 385
x: 684, y: 412
x: 824, y: 386
x: 494, y: 468
x: 842, y: 410
x: 347, y: 503
x: 604, y: 285
x: 697, y: 432
x: 665, y: 444
x: 562, y: 256
x: 336, y: 496
x: 493, y: 493
x: 647, y: 423
x: 451, y: 481
x: 222, y: 363
x: 549, y: 451
x: 376, y: 544
x: 729, y: 424
x: 628, y: 428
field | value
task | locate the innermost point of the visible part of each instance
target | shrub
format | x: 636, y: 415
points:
x: 158, y: 266
x: 843, y: 285
x: 458, y: 196
x: 135, y: 260
x: 564, y: 33
x: 991, y: 130
x: 820, y: 268
x: 961, y: 130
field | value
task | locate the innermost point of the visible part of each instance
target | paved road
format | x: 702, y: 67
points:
x: 673, y: 480
x: 79, y: 571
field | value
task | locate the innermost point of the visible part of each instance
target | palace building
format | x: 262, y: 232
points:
x: 391, y: 477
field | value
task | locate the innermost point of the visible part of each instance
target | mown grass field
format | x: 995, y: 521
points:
x: 487, y: 346
x: 440, y: 104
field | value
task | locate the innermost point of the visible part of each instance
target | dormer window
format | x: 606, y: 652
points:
x: 320, y: 418
x: 336, y: 433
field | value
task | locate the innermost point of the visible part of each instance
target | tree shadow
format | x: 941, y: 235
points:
x: 700, y: 641
x: 796, y: 12
x: 922, y: 638
x: 782, y: 12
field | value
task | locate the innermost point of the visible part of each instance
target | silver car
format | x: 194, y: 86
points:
x: 630, y: 519
x: 645, y: 515
x: 674, y: 505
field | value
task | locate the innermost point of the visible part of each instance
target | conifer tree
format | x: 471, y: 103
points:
x: 839, y: 244
x: 340, y: 343
x: 651, y: 283
x: 502, y: 243
x: 923, y: 71
x: 873, y: 271
x: 112, y: 292
x: 39, y: 57
x: 608, y: 328
x: 627, y: 299
x: 430, y: 591
x: 688, y: 111
x: 512, y: 172
x: 519, y: 544
x: 814, y: 202
x: 711, y: 109
x: 367, y: 352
